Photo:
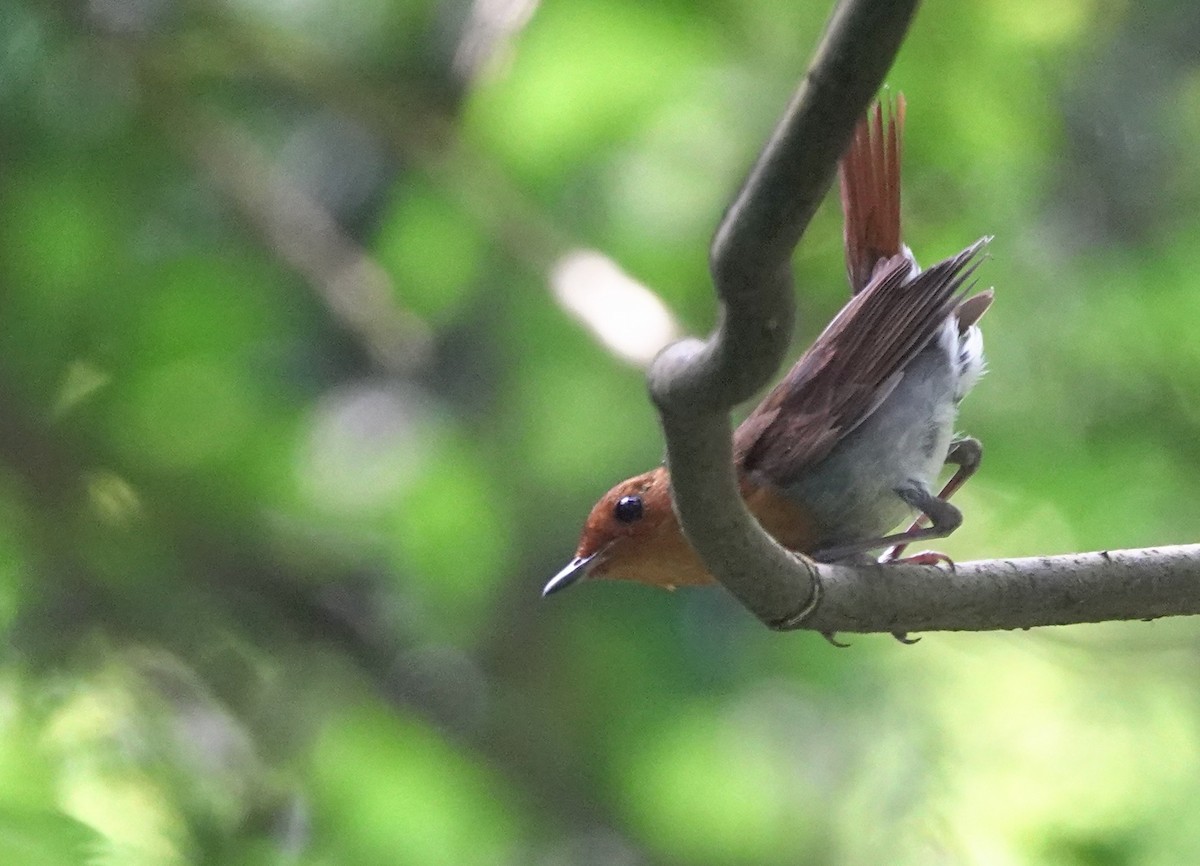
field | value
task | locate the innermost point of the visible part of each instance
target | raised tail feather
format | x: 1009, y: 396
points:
x: 870, y: 185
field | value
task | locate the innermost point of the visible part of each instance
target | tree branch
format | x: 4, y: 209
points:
x: 1010, y: 593
x: 696, y: 383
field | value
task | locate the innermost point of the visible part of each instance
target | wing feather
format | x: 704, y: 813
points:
x: 852, y: 367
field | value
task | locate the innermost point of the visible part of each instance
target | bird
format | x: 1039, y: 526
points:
x: 852, y: 440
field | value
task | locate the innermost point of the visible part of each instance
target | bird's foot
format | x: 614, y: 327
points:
x: 831, y: 636
x: 925, y: 557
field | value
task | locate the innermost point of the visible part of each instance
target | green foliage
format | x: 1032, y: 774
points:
x: 390, y: 789
x: 296, y: 422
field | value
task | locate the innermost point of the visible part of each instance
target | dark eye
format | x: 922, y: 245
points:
x: 629, y: 509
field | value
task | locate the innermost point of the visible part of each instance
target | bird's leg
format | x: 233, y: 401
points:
x: 944, y: 518
x: 965, y: 453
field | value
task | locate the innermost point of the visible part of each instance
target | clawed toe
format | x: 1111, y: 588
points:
x: 925, y: 557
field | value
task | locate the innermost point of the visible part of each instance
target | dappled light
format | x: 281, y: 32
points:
x: 625, y: 316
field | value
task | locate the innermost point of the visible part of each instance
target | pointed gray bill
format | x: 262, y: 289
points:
x: 574, y: 570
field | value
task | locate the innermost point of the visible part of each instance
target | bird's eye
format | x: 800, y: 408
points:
x: 629, y: 509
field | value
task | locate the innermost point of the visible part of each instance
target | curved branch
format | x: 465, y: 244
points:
x: 695, y: 383
x: 1010, y: 593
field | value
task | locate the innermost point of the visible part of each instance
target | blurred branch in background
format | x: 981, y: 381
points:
x: 419, y: 127
x: 306, y: 238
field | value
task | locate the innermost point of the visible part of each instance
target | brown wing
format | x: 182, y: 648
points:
x: 870, y: 184
x: 852, y: 366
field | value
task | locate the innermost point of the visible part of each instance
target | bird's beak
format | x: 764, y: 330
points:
x: 574, y: 570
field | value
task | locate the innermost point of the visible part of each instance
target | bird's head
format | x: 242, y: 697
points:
x: 632, y: 534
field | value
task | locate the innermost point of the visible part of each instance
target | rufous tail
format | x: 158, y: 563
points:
x: 870, y: 181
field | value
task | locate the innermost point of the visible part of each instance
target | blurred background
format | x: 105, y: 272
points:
x: 322, y: 325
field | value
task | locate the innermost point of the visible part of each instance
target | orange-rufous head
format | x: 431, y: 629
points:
x: 633, y: 534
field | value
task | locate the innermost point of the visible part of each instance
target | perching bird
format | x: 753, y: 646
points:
x: 851, y: 442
